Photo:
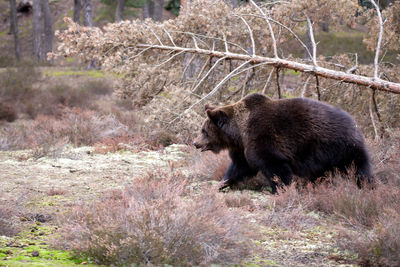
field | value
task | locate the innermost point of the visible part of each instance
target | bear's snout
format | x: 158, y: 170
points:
x: 196, y: 145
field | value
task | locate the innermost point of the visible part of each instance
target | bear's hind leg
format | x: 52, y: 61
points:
x: 271, y: 165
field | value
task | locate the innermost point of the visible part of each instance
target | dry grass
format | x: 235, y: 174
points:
x: 156, y: 221
x: 56, y: 191
x: 7, y: 214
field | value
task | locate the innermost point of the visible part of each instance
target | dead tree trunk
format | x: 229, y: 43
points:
x: 119, y: 10
x: 153, y: 9
x: 88, y: 13
x: 48, y: 32
x: 158, y: 10
x: 14, y: 28
x: 77, y: 10
x: 37, y: 30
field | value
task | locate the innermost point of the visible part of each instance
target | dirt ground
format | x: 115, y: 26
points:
x: 82, y: 175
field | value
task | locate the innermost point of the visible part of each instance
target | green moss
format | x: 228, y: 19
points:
x: 3, y: 33
x: 36, y: 239
x: 292, y: 72
x: 70, y: 59
x: 90, y: 73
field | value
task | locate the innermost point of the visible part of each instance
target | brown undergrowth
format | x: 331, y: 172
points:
x: 46, y: 113
x: 368, y: 219
x: 158, y: 220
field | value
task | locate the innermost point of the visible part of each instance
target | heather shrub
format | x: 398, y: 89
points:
x: 46, y: 133
x: 379, y: 246
x: 7, y: 224
x: 17, y: 83
x: 367, y: 219
x: 156, y: 221
x: 7, y: 112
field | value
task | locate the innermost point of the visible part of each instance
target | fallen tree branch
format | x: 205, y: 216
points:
x: 372, y: 82
x: 378, y: 45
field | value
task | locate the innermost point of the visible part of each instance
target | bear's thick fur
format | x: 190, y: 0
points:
x: 296, y: 136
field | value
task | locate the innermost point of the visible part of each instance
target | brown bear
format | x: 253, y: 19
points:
x: 296, y: 136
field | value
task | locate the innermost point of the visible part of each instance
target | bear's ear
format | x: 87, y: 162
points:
x: 208, y: 107
x: 218, y: 117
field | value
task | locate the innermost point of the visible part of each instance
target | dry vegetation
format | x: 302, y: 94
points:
x: 157, y: 221
x: 175, y: 215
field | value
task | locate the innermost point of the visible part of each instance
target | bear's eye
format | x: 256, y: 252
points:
x: 204, y: 133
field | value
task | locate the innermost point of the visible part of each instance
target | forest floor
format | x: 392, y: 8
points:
x: 47, y: 187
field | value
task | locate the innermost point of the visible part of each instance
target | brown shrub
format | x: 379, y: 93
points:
x: 7, y: 226
x: 239, y: 200
x: 371, y: 217
x: 210, y: 166
x: 156, y: 221
x: 56, y: 191
x: 7, y: 112
x: 76, y: 126
x: 379, y: 246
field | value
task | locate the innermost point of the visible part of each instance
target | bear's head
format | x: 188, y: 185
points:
x: 219, y: 130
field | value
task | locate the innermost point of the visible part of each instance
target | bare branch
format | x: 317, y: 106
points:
x: 169, y: 36
x: 372, y: 120
x: 267, y: 82
x: 212, y: 38
x: 277, y: 83
x: 317, y: 87
x: 314, y: 46
x: 187, y: 66
x: 225, y: 43
x: 195, y: 42
x: 208, y: 61
x: 269, y: 27
x: 303, y: 91
x: 208, y: 73
x: 288, y: 29
x: 355, y: 67
x: 168, y: 60
x: 375, y: 83
x: 253, y: 45
x: 157, y: 37
x: 213, y: 91
x: 378, y: 45
x: 378, y: 114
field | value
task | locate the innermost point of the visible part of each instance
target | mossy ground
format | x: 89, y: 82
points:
x: 31, y: 247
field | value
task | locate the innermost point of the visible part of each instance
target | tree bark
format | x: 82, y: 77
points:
x: 37, y: 30
x: 48, y: 32
x: 153, y: 9
x: 14, y: 28
x: 119, y: 10
x: 158, y: 10
x: 148, y: 9
x: 77, y: 10
x: 88, y: 14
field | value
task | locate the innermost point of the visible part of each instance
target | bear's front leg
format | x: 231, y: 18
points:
x: 271, y: 165
x: 237, y: 170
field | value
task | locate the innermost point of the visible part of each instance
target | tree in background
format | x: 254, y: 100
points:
x: 119, y: 10
x: 42, y: 29
x: 87, y: 7
x: 14, y: 28
x: 153, y: 9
